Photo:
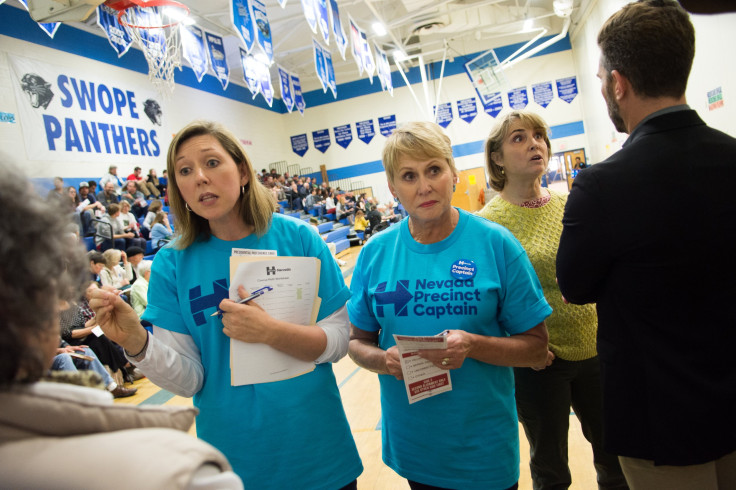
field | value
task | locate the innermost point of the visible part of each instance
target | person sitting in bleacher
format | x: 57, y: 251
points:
x: 112, y: 177
x: 361, y: 223
x: 161, y: 231
x: 135, y: 257
x: 344, y: 210
x: 127, y: 221
x: 107, y: 195
x: 139, y: 290
x: 110, y: 233
x: 69, y: 367
x: 116, y: 275
x: 96, y: 264
x: 135, y: 198
x: 153, y: 208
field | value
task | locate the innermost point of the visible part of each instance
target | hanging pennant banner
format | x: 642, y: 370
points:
x: 296, y: 89
x: 384, y: 71
x: 282, y: 3
x: 285, y: 85
x: 543, y: 93
x: 365, y: 130
x: 443, y: 114
x: 250, y: 72
x: 263, y: 29
x: 265, y: 82
x: 217, y: 58
x: 319, y: 65
x: 299, y: 144
x: 340, y: 38
x: 379, y: 66
x: 330, y: 70
x: 567, y: 88
x: 387, y: 125
x: 356, y: 43
x: 194, y: 50
x: 323, y: 19
x: 310, y: 14
x: 518, y: 98
x: 467, y: 109
x: 343, y: 135
x: 242, y: 20
x: 368, y: 65
x: 117, y: 34
x: 494, y: 104
x: 49, y: 28
x: 322, y: 139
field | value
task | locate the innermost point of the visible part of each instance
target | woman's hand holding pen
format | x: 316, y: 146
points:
x: 118, y: 320
x: 459, y: 344
x: 249, y: 323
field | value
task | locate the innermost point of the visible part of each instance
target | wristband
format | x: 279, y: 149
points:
x: 142, y: 350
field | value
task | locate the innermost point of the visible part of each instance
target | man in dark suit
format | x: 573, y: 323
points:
x: 649, y: 236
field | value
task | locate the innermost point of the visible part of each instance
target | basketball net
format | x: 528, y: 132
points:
x: 154, y: 27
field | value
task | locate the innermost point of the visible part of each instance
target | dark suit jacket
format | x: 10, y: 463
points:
x: 650, y: 236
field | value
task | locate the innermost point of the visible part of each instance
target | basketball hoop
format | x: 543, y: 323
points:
x: 154, y: 26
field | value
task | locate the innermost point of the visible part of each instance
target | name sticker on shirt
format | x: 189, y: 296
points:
x: 254, y: 252
x: 463, y: 269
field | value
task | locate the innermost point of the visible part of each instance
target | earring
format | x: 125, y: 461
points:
x: 502, y: 171
x: 454, y: 187
x: 242, y: 190
x: 186, y: 205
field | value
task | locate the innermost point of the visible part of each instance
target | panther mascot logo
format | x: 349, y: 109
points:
x: 153, y: 111
x: 38, y: 90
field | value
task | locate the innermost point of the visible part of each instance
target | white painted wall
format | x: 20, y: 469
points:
x: 713, y: 67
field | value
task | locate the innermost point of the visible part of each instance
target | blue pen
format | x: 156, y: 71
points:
x: 254, y: 295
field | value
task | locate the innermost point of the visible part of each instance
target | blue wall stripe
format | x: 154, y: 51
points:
x: 569, y: 129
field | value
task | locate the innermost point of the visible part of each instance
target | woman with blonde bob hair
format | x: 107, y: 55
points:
x: 517, y: 154
x: 283, y: 434
x: 443, y: 268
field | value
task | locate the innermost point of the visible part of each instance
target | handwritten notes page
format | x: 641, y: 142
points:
x: 295, y: 283
x: 422, y: 378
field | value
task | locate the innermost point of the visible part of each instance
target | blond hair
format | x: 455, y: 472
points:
x: 500, y: 131
x: 256, y: 204
x: 419, y: 140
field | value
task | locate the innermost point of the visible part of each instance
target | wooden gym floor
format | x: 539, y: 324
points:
x: 360, y: 395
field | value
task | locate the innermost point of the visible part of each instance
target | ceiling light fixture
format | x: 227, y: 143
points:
x: 379, y: 29
x: 528, y: 24
x: 562, y: 8
x: 399, y: 55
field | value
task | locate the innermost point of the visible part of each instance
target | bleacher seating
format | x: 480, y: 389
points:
x: 341, y: 245
x: 338, y: 234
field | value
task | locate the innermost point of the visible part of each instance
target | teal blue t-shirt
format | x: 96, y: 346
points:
x: 467, y: 437
x: 286, y: 434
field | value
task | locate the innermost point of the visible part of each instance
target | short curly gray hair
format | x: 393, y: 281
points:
x: 41, y: 264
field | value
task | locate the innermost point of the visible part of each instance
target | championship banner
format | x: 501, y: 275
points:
x: 365, y: 130
x: 323, y: 19
x: 296, y: 89
x: 387, y: 124
x: 319, y: 65
x: 299, y: 144
x: 340, y: 38
x: 49, y: 28
x: 356, y: 44
x: 310, y: 14
x: 242, y: 20
x: 343, y: 135
x: 443, y: 114
x: 321, y: 139
x: 263, y: 29
x: 117, y: 34
x: 567, y: 89
x: 384, y: 70
x: 217, y: 58
x: 285, y: 85
x: 543, y: 93
x: 518, y: 98
x: 494, y: 105
x: 194, y: 50
x: 250, y: 72
x: 330, y: 69
x: 81, y: 115
x: 265, y: 82
x: 467, y: 109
